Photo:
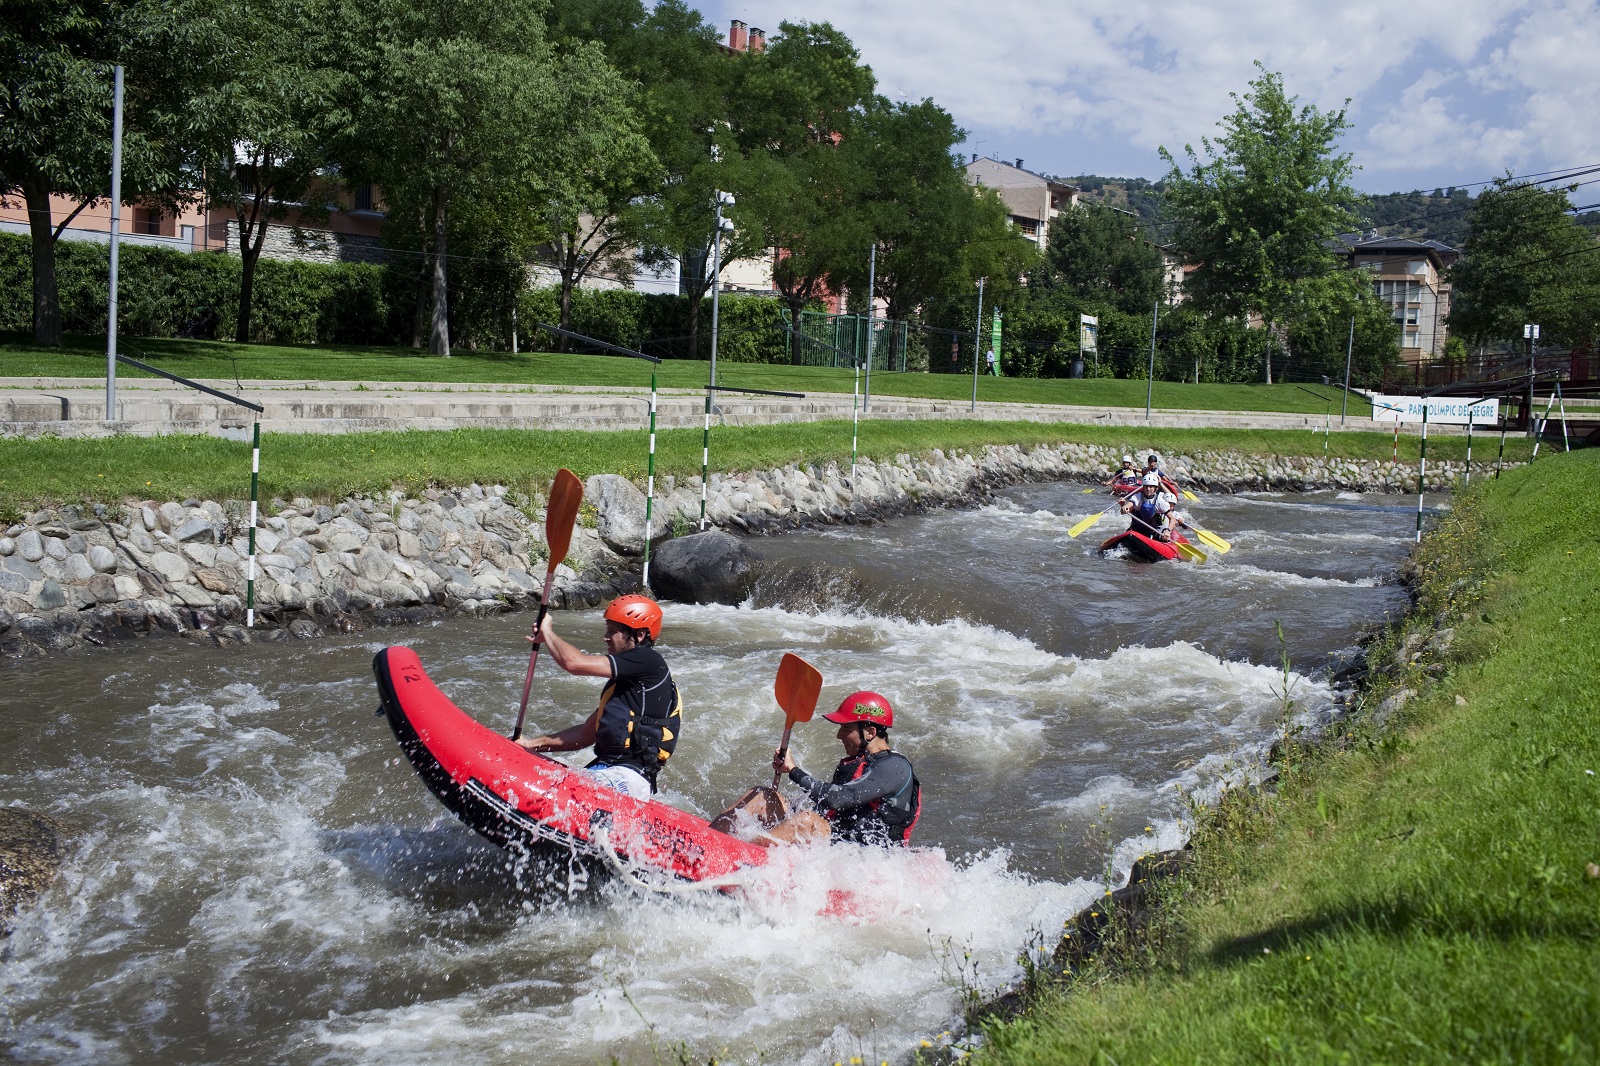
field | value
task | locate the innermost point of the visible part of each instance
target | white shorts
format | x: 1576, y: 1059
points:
x: 623, y: 779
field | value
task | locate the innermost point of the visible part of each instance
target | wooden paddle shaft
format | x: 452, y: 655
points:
x: 533, y: 659
x: 783, y: 749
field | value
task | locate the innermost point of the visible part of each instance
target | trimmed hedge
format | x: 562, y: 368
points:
x: 160, y: 291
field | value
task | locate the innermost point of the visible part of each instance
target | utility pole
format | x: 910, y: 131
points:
x: 116, y: 227
x: 1349, y: 350
x: 977, y: 342
x: 872, y: 279
x: 1150, y: 382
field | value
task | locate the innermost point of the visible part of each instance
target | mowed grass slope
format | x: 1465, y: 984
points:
x: 84, y: 356
x: 1426, y: 895
x: 107, y: 470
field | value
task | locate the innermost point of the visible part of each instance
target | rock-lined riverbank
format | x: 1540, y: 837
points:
x: 94, y: 575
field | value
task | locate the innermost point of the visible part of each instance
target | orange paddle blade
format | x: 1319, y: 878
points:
x: 797, y: 687
x: 566, y: 495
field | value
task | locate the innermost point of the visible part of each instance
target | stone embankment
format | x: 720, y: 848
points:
x: 95, y: 575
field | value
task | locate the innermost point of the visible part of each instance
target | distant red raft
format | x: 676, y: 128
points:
x: 517, y: 797
x: 1142, y: 547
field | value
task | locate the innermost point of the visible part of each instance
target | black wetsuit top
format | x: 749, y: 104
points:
x: 872, y: 799
x: 640, y: 714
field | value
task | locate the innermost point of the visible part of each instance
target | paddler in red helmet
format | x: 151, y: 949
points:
x: 635, y: 728
x: 874, y: 797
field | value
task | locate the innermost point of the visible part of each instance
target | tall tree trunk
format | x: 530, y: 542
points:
x: 569, y: 280
x: 46, y: 299
x: 797, y: 305
x: 251, y: 241
x: 439, y: 335
x: 694, y: 325
x: 1269, y: 353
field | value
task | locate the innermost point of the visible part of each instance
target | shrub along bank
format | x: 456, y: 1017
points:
x: 1423, y: 887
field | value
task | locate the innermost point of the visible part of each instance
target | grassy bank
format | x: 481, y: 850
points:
x: 85, y: 357
x: 1425, y: 893
x: 333, y: 466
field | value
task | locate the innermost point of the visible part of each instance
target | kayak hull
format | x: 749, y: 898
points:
x: 523, y: 800
x: 1147, y: 549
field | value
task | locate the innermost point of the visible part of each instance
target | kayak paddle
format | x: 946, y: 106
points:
x: 1091, y: 520
x: 566, y: 494
x: 1210, y: 539
x: 797, y: 687
x: 1189, y: 552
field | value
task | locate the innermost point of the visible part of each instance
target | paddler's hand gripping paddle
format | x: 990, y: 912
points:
x: 566, y: 494
x: 797, y: 687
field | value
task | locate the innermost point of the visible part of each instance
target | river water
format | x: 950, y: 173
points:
x: 259, y: 877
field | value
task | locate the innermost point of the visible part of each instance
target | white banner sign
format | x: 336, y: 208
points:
x: 1442, y: 410
x: 1088, y: 333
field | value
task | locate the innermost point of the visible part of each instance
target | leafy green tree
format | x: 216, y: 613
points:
x: 56, y: 60
x: 1526, y: 260
x: 798, y: 193
x: 1257, y: 214
x: 1102, y: 253
x: 270, y: 120
x: 449, y: 103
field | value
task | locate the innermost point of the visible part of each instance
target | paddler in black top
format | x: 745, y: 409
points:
x: 874, y: 797
x: 635, y: 728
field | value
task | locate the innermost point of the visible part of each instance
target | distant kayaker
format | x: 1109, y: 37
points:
x: 1150, y: 512
x: 1127, y: 479
x: 1153, y: 466
x: 635, y: 728
x: 874, y: 797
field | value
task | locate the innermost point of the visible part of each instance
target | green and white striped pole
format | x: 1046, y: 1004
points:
x: 705, y: 462
x: 250, y: 564
x: 855, y: 414
x: 1466, y: 482
x: 650, y: 482
x: 1422, y: 470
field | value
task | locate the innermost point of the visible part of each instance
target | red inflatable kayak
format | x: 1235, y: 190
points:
x: 516, y: 797
x: 1142, y: 547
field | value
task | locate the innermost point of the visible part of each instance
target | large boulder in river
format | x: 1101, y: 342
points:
x: 31, y: 847
x: 709, y: 567
x: 621, y: 508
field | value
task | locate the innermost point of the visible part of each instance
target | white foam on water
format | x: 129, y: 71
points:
x: 766, y: 976
x: 1243, y: 573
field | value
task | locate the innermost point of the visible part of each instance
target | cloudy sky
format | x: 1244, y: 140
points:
x: 1442, y: 91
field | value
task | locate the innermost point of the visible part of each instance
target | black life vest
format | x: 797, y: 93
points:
x: 640, y: 731
x: 882, y: 821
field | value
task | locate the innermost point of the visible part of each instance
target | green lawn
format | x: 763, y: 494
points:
x: 84, y: 356
x: 1427, y: 894
x: 60, y: 470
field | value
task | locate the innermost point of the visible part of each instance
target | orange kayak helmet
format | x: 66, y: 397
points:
x: 636, y: 612
x: 864, y: 706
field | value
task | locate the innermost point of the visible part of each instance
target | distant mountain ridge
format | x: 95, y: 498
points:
x: 1441, y: 215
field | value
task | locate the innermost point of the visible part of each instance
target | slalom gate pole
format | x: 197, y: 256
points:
x: 1422, y: 471
x: 1397, y: 438
x: 855, y: 414
x: 1468, y: 479
x: 705, y: 462
x: 1327, y: 429
x: 1538, y: 433
x: 1566, y: 443
x: 1499, y: 460
x: 650, y: 484
x: 250, y: 563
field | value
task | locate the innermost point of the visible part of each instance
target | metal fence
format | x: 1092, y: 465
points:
x: 837, y: 340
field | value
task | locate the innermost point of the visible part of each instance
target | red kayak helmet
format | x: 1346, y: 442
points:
x: 864, y: 706
x: 636, y: 612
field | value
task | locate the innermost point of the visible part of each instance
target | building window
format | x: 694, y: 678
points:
x: 363, y: 198
x: 149, y: 221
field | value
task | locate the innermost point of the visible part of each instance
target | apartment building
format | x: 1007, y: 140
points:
x: 1034, y: 200
x: 1409, y: 275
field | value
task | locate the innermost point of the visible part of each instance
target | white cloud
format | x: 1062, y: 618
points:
x: 1455, y: 84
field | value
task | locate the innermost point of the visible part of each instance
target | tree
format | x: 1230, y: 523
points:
x: 56, y: 60
x: 448, y: 102
x: 1258, y: 213
x: 595, y: 174
x: 1526, y: 260
x: 798, y: 193
x: 270, y: 122
x: 1101, y: 253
